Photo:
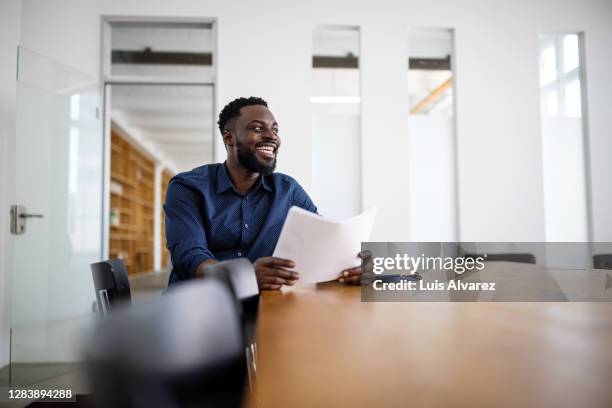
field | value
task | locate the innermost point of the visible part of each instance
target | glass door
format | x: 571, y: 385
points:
x: 56, y: 218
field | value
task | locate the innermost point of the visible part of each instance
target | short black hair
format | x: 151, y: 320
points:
x: 232, y: 109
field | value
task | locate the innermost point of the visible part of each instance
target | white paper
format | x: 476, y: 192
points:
x: 322, y: 248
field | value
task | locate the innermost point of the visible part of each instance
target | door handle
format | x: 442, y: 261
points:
x: 18, y: 219
x: 31, y: 216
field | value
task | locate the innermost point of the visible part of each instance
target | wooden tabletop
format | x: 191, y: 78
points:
x: 320, y: 346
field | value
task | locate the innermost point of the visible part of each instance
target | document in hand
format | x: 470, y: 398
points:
x: 322, y: 248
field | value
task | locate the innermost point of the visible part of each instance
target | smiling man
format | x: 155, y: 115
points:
x: 237, y: 209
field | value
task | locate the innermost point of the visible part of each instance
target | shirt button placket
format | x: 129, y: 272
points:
x: 245, y: 225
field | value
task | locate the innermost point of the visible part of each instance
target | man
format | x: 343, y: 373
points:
x: 237, y: 209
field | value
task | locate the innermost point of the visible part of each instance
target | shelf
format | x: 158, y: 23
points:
x: 123, y: 179
x: 147, y: 184
x: 124, y: 227
x: 133, y: 199
x: 122, y: 237
x: 143, y: 165
x: 132, y: 175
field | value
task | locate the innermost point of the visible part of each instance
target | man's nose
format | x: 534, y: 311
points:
x: 269, y: 134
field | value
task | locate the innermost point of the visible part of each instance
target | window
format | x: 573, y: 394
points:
x: 336, y: 121
x: 563, y: 134
x: 560, y: 75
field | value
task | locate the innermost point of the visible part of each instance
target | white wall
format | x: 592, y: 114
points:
x: 336, y: 172
x: 432, y: 183
x: 564, y: 179
x: 10, y: 18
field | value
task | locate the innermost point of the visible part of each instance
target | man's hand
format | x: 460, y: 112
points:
x: 271, y: 273
x: 355, y: 276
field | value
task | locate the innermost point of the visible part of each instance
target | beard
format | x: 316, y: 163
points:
x: 248, y: 160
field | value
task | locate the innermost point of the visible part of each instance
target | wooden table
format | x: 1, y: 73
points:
x: 320, y: 346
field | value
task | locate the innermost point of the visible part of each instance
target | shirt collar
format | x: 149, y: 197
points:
x: 266, y: 183
x: 224, y: 182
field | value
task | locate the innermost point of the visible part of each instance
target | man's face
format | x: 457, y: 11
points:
x: 253, y: 137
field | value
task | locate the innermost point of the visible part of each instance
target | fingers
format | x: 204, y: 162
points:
x: 354, y: 276
x: 351, y: 276
x: 367, y: 265
x: 367, y: 254
x: 283, y: 273
x: 277, y: 280
x: 272, y: 275
x: 269, y: 286
x: 272, y: 261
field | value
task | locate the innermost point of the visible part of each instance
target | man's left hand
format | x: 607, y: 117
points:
x: 353, y: 276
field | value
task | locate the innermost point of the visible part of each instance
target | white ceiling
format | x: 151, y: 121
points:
x: 173, y: 122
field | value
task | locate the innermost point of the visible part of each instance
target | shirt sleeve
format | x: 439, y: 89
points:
x: 301, y: 199
x: 185, y: 234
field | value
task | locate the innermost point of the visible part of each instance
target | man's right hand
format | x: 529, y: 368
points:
x: 271, y: 273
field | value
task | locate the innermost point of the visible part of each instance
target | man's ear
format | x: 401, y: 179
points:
x: 228, y: 138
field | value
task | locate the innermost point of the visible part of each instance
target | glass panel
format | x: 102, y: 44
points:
x: 430, y: 83
x: 431, y: 158
x: 570, y: 52
x: 548, y: 65
x: 550, y: 105
x: 59, y: 175
x: 563, y: 156
x: 572, y: 99
x: 157, y: 131
x: 162, y: 49
x: 559, y: 75
x: 336, y: 129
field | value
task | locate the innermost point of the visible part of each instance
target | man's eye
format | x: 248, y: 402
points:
x: 258, y: 129
x: 275, y: 131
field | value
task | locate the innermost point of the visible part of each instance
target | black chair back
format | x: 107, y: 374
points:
x: 111, y: 284
x: 507, y: 257
x: 184, y: 349
x: 240, y: 277
x: 602, y: 261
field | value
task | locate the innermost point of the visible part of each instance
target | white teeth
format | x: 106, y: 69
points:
x: 267, y: 149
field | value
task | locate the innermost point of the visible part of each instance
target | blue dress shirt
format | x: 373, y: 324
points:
x: 206, y: 218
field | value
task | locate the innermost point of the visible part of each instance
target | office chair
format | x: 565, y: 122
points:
x: 508, y: 257
x: 239, y: 276
x: 111, y: 284
x: 602, y: 261
x: 184, y: 349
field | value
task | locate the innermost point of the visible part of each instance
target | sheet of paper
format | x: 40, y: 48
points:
x: 322, y: 248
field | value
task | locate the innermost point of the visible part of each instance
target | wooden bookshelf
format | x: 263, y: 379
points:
x: 132, y: 204
x: 165, y: 258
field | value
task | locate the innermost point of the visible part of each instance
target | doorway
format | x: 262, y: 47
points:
x: 159, y: 92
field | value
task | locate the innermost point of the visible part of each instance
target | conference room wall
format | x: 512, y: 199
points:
x: 498, y: 124
x: 265, y: 49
